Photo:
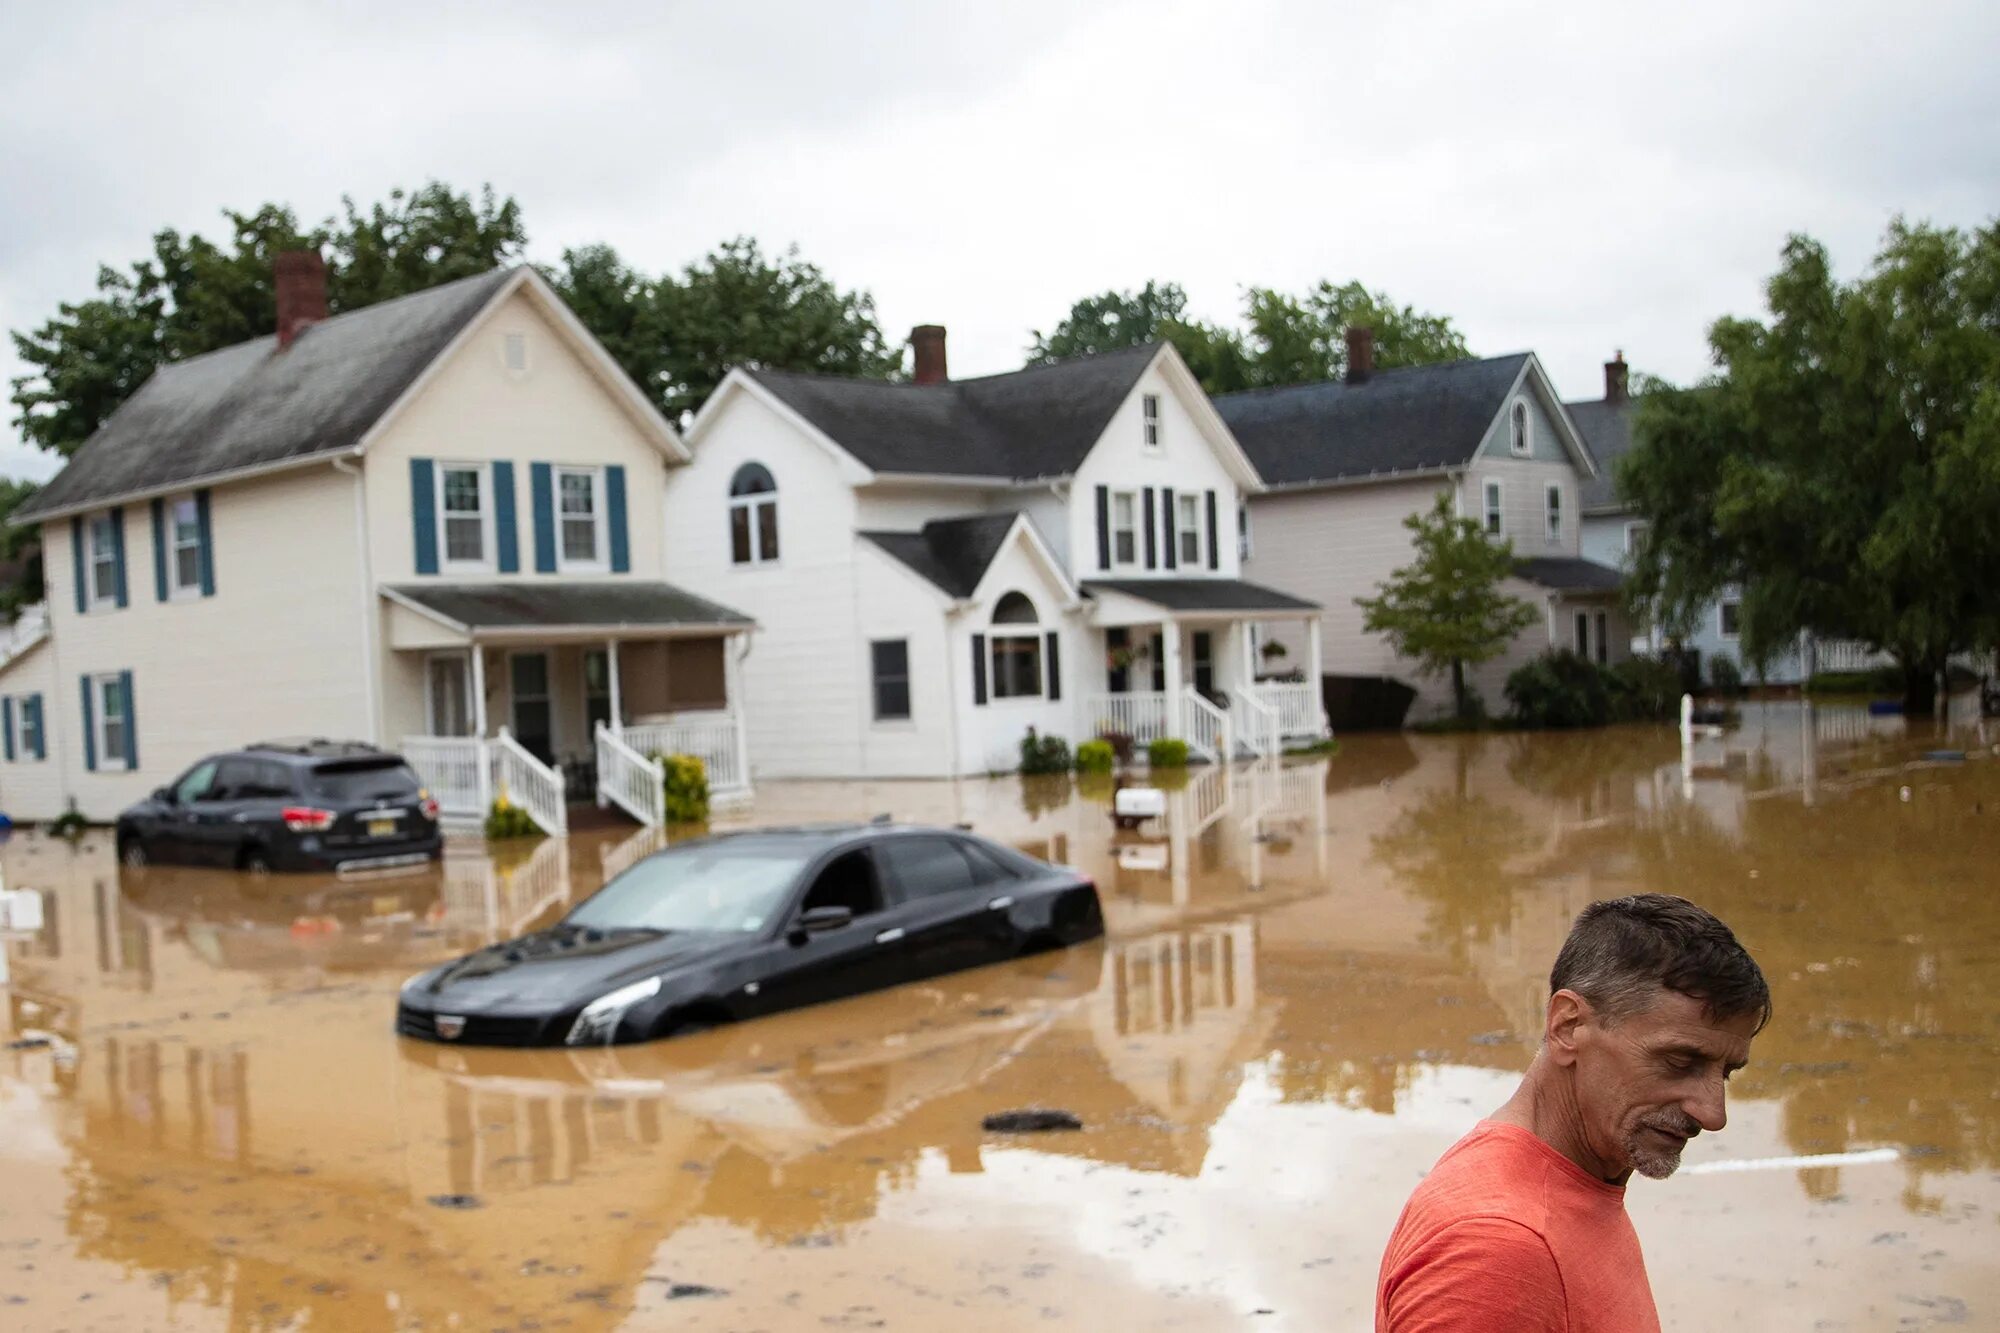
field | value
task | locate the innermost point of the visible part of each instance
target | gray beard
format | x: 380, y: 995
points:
x: 1652, y: 1164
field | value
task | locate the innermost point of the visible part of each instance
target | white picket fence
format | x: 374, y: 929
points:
x: 1257, y: 725
x: 629, y: 778
x: 529, y: 783
x: 1297, y: 706
x: 716, y: 738
x: 1141, y: 714
x: 1206, y: 728
x: 456, y: 770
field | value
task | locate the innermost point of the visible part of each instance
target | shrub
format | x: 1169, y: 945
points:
x: 1645, y: 689
x: 1882, y: 680
x: 1121, y: 744
x: 1559, y: 689
x: 1724, y: 676
x: 1044, y: 754
x: 684, y: 778
x: 507, y: 820
x: 1167, y: 752
x: 69, y: 824
x: 1095, y: 757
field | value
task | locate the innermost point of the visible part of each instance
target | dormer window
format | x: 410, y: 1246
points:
x: 1150, y: 407
x: 1520, y: 440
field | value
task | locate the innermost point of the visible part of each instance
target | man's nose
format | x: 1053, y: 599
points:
x: 1708, y: 1105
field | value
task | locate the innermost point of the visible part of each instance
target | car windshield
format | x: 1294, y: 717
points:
x: 371, y: 781
x: 719, y: 886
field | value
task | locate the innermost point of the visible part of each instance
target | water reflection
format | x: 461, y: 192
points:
x: 1345, y: 955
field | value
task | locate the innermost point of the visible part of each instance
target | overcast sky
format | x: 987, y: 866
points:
x: 1570, y: 178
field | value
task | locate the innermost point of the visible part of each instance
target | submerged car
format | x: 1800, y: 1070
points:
x: 287, y: 805
x: 743, y: 924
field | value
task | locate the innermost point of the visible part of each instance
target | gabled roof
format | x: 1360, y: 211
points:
x: 1607, y: 427
x: 1022, y: 425
x: 1410, y: 420
x: 952, y: 553
x: 1569, y: 574
x: 589, y: 604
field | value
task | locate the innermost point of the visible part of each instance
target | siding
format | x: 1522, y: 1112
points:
x: 894, y: 604
x: 1523, y: 511
x: 32, y: 789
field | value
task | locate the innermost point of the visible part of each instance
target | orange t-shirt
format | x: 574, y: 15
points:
x: 1506, y: 1235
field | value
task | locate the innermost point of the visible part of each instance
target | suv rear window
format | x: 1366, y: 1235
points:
x: 369, y: 780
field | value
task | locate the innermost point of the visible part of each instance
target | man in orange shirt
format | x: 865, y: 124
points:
x: 1521, y: 1226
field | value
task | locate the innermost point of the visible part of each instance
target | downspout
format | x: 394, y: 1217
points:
x: 371, y: 666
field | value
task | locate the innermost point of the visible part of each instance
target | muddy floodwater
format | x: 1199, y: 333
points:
x: 1316, y: 978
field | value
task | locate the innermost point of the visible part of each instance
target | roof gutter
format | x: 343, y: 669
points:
x: 1368, y: 479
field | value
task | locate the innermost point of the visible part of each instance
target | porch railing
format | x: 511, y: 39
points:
x: 530, y: 784
x: 629, y: 778
x: 456, y: 770
x: 715, y: 738
x: 1207, y: 728
x: 1296, y: 704
x: 1142, y: 715
x: 1258, y: 723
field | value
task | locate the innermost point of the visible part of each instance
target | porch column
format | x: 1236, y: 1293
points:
x: 732, y: 692
x: 611, y: 670
x: 478, y: 691
x: 1249, y: 658
x: 1313, y: 683
x: 1170, y: 660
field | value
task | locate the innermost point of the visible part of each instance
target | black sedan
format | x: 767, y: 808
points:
x: 731, y: 927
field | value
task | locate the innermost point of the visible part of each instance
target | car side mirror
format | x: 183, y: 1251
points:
x: 818, y: 920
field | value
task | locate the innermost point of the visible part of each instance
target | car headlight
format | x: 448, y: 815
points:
x: 599, y: 1020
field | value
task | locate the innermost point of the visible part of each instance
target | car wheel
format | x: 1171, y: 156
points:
x: 132, y: 852
x: 254, y: 861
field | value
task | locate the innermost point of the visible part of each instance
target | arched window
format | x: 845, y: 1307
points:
x: 1016, y: 645
x: 1520, y: 441
x: 753, y: 516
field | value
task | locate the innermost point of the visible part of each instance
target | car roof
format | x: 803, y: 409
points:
x: 316, y: 748
x: 831, y: 833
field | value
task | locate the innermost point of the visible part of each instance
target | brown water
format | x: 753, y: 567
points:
x: 1315, y: 980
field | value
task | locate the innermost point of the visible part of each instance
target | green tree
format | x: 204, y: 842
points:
x: 1156, y: 312
x: 20, y: 552
x: 193, y: 295
x: 1843, y: 466
x: 1445, y: 608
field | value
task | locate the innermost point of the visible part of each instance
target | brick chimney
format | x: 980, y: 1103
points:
x: 300, y: 279
x: 1614, y: 379
x: 1360, y: 353
x: 927, y: 341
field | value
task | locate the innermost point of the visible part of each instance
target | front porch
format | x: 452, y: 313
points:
x: 542, y: 696
x: 1179, y: 660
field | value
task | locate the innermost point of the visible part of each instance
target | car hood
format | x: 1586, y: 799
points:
x: 559, y: 967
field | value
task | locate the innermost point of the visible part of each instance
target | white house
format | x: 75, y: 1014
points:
x: 430, y: 523
x: 938, y: 566
x: 1345, y: 462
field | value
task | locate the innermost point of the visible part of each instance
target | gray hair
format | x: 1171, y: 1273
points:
x: 1622, y: 952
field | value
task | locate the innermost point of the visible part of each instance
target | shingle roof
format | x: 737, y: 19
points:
x: 250, y: 405
x: 1607, y: 428
x: 952, y: 553
x: 594, y: 603
x: 1412, y: 419
x: 1568, y: 574
x: 1037, y: 422
x: 1203, y: 594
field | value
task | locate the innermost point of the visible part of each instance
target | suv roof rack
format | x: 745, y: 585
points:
x: 317, y: 747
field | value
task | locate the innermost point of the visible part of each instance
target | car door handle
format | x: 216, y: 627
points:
x: 1001, y: 904
x: 890, y: 936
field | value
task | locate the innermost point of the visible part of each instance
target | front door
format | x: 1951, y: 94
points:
x: 1204, y: 664
x: 528, y: 675
x: 596, y: 691
x: 448, y: 696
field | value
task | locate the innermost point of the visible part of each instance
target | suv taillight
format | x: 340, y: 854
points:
x: 305, y: 819
x: 429, y: 805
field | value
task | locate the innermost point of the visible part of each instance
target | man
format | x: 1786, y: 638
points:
x: 1521, y: 1226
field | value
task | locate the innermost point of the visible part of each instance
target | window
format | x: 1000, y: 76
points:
x: 848, y: 881
x: 921, y: 867
x: 1603, y: 640
x: 113, y: 718
x: 1729, y: 618
x: 1555, y: 507
x: 890, y: 662
x: 514, y: 349
x: 1582, y: 634
x: 753, y: 516
x: 1632, y: 531
x: 183, y: 547
x: 463, y: 514
x: 1493, y: 513
x: 196, y: 784
x: 1150, y: 404
x: 28, y: 727
x: 1017, y: 653
x: 1124, y: 527
x: 1187, y: 527
x: 1242, y: 531
x: 1520, y: 430
x: 103, y: 560
x: 579, y: 520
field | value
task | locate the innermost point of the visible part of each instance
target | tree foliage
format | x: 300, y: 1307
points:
x: 1445, y: 607
x: 1286, y: 339
x: 1843, y: 466
x: 20, y: 552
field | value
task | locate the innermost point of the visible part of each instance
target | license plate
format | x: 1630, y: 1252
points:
x: 381, y: 828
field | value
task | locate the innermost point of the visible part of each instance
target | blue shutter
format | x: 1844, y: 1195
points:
x: 423, y: 513
x: 131, y: 722
x: 1055, y: 667
x: 118, y: 549
x: 76, y: 553
x: 207, y: 543
x: 614, y: 500
x: 979, y: 668
x: 89, y: 729
x: 1173, y: 538
x: 34, y: 707
x: 7, y: 721
x: 160, y: 550
x: 506, y: 534
x: 542, y: 489
x: 1214, y: 552
x: 1146, y: 498
x: 1104, y: 527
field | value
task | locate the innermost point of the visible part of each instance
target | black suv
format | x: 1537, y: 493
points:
x: 287, y: 805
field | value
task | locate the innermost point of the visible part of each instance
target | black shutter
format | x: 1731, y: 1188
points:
x: 1055, y: 668
x: 1173, y: 556
x: 979, y: 668
x: 1152, y: 558
x: 1104, y: 527
x: 1214, y: 552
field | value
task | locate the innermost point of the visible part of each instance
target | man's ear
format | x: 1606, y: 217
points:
x: 1569, y: 1014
